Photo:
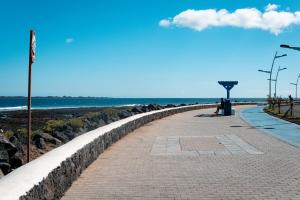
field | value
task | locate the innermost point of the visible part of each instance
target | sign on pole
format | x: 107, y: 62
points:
x: 32, y: 46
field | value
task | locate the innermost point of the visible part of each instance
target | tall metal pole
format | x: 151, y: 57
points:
x: 279, y: 69
x: 270, y: 73
x: 296, y: 91
x: 297, y: 86
x: 29, y: 97
x: 270, y: 80
x: 275, y: 93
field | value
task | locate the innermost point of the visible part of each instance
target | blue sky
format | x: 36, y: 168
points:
x: 118, y: 49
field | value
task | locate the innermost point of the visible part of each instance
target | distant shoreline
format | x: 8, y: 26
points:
x: 20, y: 108
x: 50, y: 103
x: 56, y: 97
x: 130, y: 97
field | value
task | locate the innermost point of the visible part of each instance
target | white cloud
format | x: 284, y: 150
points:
x: 271, y: 7
x: 69, y: 40
x: 164, y: 23
x: 249, y: 18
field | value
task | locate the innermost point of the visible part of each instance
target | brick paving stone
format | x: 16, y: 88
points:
x: 270, y: 168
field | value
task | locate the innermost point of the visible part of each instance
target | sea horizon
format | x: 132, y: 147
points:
x: 12, y: 103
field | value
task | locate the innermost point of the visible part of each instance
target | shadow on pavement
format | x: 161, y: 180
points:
x: 209, y: 115
x: 254, y: 127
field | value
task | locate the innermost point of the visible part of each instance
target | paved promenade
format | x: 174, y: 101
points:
x: 187, y: 156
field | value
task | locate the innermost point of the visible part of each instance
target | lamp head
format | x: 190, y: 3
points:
x: 281, y: 56
x: 264, y: 71
x: 284, y: 46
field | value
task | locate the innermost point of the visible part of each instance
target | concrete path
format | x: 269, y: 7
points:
x: 281, y: 129
x: 188, y: 157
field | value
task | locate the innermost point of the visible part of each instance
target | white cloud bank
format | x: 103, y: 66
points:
x: 249, y: 18
x: 164, y: 22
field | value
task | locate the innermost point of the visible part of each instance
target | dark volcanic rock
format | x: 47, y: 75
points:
x: 1, y: 174
x: 68, y: 129
x: 40, y: 143
x: 94, y: 124
x: 4, y: 156
x: 14, y: 140
x: 61, y: 136
x: 145, y: 109
x: 47, y: 138
x: 170, y: 106
x: 68, y: 133
x: 125, y: 114
x: 6, y: 145
x: 21, y: 137
x: 7, y: 151
x: 115, y: 118
x: 182, y: 104
x: 151, y: 107
x: 83, y: 130
x: 15, y: 162
x: 5, y: 167
x: 136, y: 110
x: 106, y: 118
x: 71, y: 135
x: 101, y: 122
x: 154, y: 107
x: 87, y: 124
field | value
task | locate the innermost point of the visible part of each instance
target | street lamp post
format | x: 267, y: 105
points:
x: 279, y: 69
x: 270, y: 72
x: 297, y: 49
x: 296, y: 84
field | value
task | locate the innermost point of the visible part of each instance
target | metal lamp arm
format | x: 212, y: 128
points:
x: 295, y: 48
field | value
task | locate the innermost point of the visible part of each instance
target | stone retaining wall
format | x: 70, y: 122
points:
x: 50, y: 175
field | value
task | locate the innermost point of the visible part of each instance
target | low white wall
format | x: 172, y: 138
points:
x: 50, y: 175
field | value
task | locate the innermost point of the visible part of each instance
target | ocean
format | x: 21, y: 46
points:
x: 20, y: 103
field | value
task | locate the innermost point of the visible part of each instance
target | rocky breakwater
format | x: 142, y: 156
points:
x: 63, y: 126
x: 9, y: 158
